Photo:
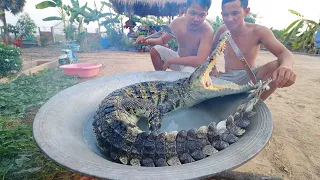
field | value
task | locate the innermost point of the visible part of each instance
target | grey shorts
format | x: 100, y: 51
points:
x: 166, y: 53
x: 238, y: 76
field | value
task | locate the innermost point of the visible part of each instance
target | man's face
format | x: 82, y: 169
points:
x: 195, y: 15
x: 233, y: 14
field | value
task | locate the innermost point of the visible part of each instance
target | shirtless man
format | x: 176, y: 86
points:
x: 194, y: 38
x: 248, y: 38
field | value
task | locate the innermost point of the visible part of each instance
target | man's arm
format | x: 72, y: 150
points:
x: 163, y: 40
x: 284, y: 75
x: 202, y: 54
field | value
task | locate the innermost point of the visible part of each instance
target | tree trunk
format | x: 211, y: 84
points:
x: 5, y: 28
x: 98, y: 26
x: 63, y: 17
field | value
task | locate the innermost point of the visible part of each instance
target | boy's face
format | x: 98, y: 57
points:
x: 233, y: 14
x: 195, y: 15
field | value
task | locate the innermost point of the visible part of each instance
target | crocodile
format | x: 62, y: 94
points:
x: 122, y: 141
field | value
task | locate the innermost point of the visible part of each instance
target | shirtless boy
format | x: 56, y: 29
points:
x: 248, y: 38
x: 194, y: 38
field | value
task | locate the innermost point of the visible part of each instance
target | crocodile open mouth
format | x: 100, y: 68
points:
x: 206, y: 80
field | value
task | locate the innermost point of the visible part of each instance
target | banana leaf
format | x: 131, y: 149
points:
x: 52, y: 18
x: 295, y: 13
x: 286, y: 31
x: 46, y: 4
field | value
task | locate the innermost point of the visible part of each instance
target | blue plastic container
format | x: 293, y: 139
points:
x: 104, y: 42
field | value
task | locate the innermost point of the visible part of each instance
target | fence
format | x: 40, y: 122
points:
x: 51, y: 35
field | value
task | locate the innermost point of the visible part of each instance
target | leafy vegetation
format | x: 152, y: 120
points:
x: 13, y: 7
x: 74, y: 12
x: 215, y: 24
x: 250, y: 18
x: 25, y: 26
x: 20, y: 158
x: 278, y: 34
x: 9, y: 60
x: 27, y: 91
x: 300, y: 33
x: 54, y: 4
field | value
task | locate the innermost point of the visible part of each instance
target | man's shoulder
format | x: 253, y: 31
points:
x: 222, y: 29
x: 207, y: 28
x: 257, y: 28
x: 178, y: 21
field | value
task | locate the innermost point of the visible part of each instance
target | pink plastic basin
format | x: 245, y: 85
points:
x: 82, y: 69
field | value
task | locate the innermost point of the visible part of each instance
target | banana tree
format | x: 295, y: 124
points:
x: 94, y: 15
x: 75, y: 12
x: 215, y: 24
x: 56, y: 4
x: 300, y: 33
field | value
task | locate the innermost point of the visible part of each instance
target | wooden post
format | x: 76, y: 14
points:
x: 52, y: 34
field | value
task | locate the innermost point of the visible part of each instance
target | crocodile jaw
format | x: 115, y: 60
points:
x: 200, y: 78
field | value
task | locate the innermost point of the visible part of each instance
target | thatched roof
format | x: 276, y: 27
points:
x: 149, y: 7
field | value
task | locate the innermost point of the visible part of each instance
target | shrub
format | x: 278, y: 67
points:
x: 10, y: 61
x: 173, y: 44
x: 26, y: 26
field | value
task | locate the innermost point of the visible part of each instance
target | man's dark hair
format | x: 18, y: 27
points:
x: 244, y: 3
x: 203, y: 3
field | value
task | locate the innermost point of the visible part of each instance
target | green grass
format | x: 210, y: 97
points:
x: 20, y: 158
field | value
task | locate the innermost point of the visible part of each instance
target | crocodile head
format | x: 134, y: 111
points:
x: 202, y: 86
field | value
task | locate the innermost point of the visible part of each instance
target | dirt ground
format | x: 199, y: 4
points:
x: 293, y: 150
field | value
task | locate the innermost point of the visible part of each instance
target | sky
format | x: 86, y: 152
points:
x: 272, y: 13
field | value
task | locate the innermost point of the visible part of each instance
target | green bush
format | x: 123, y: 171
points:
x: 173, y: 44
x: 10, y: 61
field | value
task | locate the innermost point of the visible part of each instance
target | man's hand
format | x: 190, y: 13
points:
x: 284, y: 77
x: 141, y: 40
x: 215, y: 73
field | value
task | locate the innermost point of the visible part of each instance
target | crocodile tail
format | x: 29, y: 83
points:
x: 164, y: 149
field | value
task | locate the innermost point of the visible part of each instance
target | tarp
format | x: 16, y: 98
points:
x: 317, y: 39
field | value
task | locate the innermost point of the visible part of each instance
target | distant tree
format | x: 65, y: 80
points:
x: 13, y: 7
x: 94, y: 15
x: 277, y: 33
x: 216, y: 24
x: 56, y: 4
x: 26, y: 26
x: 251, y: 18
x: 13, y: 29
x: 75, y: 12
